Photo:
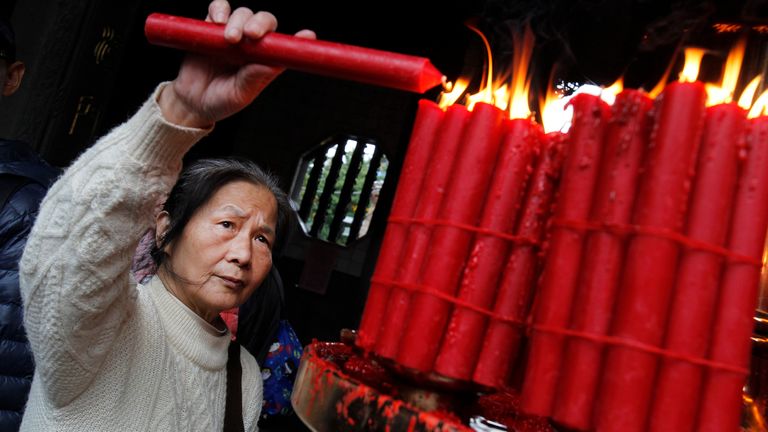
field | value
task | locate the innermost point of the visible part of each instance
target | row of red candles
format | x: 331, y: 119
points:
x: 459, y: 262
x: 428, y: 240
x: 661, y: 319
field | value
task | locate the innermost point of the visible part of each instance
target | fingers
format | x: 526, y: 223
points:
x: 244, y: 21
x: 218, y: 11
x: 306, y: 34
x: 260, y: 24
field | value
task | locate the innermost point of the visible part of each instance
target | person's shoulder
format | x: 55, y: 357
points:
x: 27, y: 198
x: 18, y: 159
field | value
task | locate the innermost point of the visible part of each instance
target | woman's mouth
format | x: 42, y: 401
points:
x: 231, y: 282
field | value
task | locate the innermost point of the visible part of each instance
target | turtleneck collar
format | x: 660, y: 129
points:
x: 195, y: 338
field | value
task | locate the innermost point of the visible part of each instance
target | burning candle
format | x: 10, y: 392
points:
x: 678, y: 383
x: 448, y: 252
x: 432, y: 193
x: 428, y: 121
x: 464, y: 337
x: 720, y: 407
x: 651, y: 262
x: 626, y: 139
x: 370, y: 66
x: 563, y: 259
x: 502, y: 338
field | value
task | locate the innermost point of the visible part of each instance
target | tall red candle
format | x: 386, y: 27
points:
x: 626, y: 139
x: 678, y: 383
x: 366, y: 65
x: 651, y: 261
x: 502, y: 337
x: 721, y: 400
x: 432, y: 193
x: 464, y: 337
x: 448, y: 252
x: 428, y: 121
x: 563, y: 259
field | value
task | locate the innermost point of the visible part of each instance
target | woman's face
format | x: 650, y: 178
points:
x: 225, y: 250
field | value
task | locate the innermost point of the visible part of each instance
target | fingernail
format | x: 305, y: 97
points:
x: 220, y: 16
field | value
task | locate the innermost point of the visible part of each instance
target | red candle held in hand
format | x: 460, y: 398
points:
x: 370, y: 66
x: 432, y: 193
x: 563, y: 259
x: 502, y: 338
x: 479, y: 283
x: 428, y: 120
x: 449, y: 247
x: 626, y: 139
x: 678, y: 384
x: 721, y: 403
x: 651, y: 261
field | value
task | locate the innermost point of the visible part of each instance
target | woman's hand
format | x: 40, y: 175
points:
x: 207, y: 89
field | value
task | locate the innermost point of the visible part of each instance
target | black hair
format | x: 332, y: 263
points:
x: 200, y: 180
x: 7, y: 41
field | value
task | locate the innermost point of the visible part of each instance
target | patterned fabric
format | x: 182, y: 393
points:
x: 143, y: 267
x: 279, y: 371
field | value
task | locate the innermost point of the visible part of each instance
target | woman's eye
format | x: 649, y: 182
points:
x: 226, y: 224
x: 262, y: 239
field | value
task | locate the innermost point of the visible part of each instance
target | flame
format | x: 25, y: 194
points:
x: 556, y: 114
x: 609, y: 94
x: 723, y: 93
x: 501, y: 97
x: 486, y: 93
x: 733, y: 66
x: 521, y: 82
x: 481, y: 96
x: 659, y: 87
x: 512, y: 96
x: 748, y: 95
x: 455, y: 91
x: 760, y: 107
x: 692, y: 64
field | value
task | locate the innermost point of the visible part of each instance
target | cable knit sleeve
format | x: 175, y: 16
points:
x: 75, y: 281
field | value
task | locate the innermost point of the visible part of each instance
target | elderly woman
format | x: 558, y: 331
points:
x: 114, y: 355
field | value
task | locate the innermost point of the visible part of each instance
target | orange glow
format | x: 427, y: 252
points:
x: 659, y: 87
x: 456, y: 90
x: 609, y: 93
x: 693, y: 58
x: 726, y: 28
x: 481, y: 96
x: 723, y: 93
x: 512, y: 96
x: 521, y: 82
x: 556, y: 114
x: 748, y: 95
x: 486, y: 93
x: 509, y: 90
x: 759, y: 107
x: 501, y: 97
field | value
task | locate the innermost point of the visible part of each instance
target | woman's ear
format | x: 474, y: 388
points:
x: 162, y: 224
x: 14, y: 74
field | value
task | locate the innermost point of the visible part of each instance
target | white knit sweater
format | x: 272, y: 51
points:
x: 111, y: 355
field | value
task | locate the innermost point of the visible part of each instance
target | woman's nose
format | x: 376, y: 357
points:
x: 240, y: 250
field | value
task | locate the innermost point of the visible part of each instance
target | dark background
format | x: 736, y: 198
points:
x: 89, y: 68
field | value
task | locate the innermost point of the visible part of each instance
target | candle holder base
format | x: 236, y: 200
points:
x: 339, y: 388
